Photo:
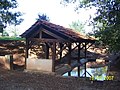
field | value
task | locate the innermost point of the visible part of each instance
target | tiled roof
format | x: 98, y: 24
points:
x: 70, y: 33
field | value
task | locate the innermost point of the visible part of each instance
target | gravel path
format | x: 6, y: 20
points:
x: 18, y: 80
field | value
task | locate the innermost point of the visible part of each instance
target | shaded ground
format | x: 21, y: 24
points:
x: 14, y: 80
x: 18, y: 80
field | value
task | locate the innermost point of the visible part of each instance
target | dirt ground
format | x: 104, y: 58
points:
x: 19, y: 80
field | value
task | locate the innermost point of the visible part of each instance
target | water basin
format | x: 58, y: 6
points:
x: 95, y: 73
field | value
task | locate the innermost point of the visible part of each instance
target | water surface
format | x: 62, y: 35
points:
x: 95, y: 73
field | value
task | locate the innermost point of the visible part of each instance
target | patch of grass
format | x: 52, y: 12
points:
x: 11, y: 38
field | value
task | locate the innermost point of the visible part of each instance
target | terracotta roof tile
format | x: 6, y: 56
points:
x: 67, y: 31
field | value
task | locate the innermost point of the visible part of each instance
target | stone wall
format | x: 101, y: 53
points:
x: 39, y: 64
x: 4, y: 62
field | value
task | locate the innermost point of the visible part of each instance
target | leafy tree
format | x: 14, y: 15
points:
x: 11, y: 31
x: 43, y: 17
x: 77, y: 26
x: 7, y: 16
x: 5, y: 33
x: 107, y: 21
x: 109, y: 31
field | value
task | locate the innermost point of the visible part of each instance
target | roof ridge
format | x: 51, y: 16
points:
x: 67, y: 29
x: 71, y: 33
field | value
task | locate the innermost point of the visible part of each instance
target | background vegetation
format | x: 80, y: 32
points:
x: 77, y: 26
x: 7, y: 15
x: 107, y: 21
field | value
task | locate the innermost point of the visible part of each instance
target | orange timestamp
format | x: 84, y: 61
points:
x: 109, y: 78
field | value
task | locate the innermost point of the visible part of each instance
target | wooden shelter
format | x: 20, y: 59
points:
x: 57, y: 38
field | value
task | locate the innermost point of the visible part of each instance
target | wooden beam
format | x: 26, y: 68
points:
x: 62, y: 34
x: 86, y: 40
x: 69, y: 58
x: 47, y: 40
x: 63, y: 47
x: 69, y: 61
x: 71, y: 51
x: 40, y: 35
x: 90, y: 45
x: 49, y: 45
x: 53, y: 56
x: 32, y: 35
x: 52, y: 34
x: 30, y: 44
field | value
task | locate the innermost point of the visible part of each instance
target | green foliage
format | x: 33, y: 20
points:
x: 14, y: 31
x: 11, y: 31
x: 107, y: 21
x: 99, y: 71
x: 109, y: 18
x: 5, y: 33
x: 43, y: 17
x: 7, y: 16
x: 77, y: 26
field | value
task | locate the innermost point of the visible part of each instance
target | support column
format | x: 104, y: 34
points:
x: 85, y: 56
x: 47, y: 51
x: 69, y: 58
x: 79, y: 59
x: 26, y: 52
x: 11, y: 62
x: 61, y: 45
x: 53, y: 56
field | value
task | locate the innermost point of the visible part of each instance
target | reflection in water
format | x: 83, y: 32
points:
x: 97, y: 73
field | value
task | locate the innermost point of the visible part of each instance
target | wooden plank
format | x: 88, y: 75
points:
x: 62, y: 69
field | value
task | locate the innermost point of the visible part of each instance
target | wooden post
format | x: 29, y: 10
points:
x: 11, y: 62
x: 61, y: 51
x: 47, y: 51
x: 85, y: 56
x: 53, y: 56
x: 40, y: 35
x: 79, y: 59
x: 26, y: 52
x: 69, y: 58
